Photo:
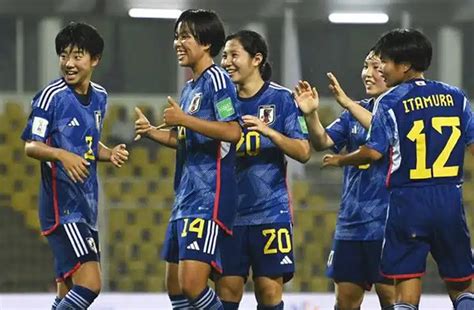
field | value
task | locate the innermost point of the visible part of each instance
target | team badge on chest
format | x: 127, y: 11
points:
x: 266, y: 113
x: 195, y: 103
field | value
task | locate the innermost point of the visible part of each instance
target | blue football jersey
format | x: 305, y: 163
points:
x: 423, y: 127
x: 205, y: 183
x: 364, y: 198
x: 60, y: 120
x: 261, y: 165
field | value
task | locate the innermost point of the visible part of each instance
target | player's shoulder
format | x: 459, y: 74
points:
x: 216, y: 78
x: 281, y: 94
x: 366, y: 103
x: 99, y: 89
x: 45, y: 96
x: 445, y: 87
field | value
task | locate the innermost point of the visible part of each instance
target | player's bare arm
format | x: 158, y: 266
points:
x: 307, y: 99
x: 362, y: 156
x: 363, y: 116
x: 224, y: 131
x: 75, y: 165
x: 295, y: 148
x: 143, y: 128
x: 117, y: 155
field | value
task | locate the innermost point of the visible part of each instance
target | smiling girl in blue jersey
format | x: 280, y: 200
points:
x: 63, y: 132
x: 354, y: 261
x: 262, y: 236
x: 204, y: 126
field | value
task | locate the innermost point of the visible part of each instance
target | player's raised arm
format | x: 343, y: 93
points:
x: 143, y: 127
x: 308, y: 101
x: 297, y: 149
x: 218, y: 130
x: 363, y: 116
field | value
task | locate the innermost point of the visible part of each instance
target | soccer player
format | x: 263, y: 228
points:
x: 355, y: 257
x: 63, y: 132
x: 205, y: 186
x: 422, y: 127
x: 274, y: 128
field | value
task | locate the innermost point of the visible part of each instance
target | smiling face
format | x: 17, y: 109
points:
x: 394, y: 73
x: 372, y: 76
x: 238, y: 62
x: 188, y: 50
x: 76, y: 66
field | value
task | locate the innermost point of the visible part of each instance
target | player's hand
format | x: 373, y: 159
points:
x: 119, y: 155
x: 76, y: 166
x: 254, y: 123
x: 173, y: 115
x: 306, y: 97
x: 338, y: 92
x: 331, y: 160
x: 142, y: 125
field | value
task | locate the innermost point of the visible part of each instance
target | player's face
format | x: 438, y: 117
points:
x: 238, y: 62
x: 393, y: 73
x: 77, y: 66
x: 188, y: 49
x: 372, y: 76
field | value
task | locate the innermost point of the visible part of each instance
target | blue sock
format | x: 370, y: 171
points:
x: 207, y: 300
x: 56, y: 302
x: 179, y: 302
x: 276, y: 307
x: 464, y: 301
x: 78, y: 298
x: 230, y: 305
x: 405, y: 306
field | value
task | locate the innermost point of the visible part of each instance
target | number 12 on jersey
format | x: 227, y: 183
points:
x: 439, y: 168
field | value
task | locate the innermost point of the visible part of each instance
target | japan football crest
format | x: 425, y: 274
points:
x: 266, y: 113
x: 98, y: 119
x: 195, y: 103
x: 91, y: 243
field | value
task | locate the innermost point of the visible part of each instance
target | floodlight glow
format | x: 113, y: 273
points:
x: 358, y: 18
x: 154, y: 13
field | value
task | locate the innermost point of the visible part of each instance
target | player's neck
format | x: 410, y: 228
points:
x: 250, y: 87
x: 83, y: 87
x: 201, y: 66
x: 412, y: 75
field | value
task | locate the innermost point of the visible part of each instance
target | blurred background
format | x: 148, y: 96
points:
x: 139, y: 69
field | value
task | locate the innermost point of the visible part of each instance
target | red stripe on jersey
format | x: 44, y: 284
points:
x: 403, y: 276
x: 218, y: 192
x: 390, y: 164
x: 459, y: 279
x: 290, y: 201
x: 55, y: 201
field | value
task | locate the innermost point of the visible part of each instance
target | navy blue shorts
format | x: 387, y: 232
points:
x: 73, y: 244
x: 427, y: 219
x: 267, y: 248
x: 356, y: 262
x: 193, y: 239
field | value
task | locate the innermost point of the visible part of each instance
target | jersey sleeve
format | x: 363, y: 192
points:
x: 339, y: 131
x: 40, y: 122
x: 468, y: 122
x: 225, y: 100
x: 382, y: 129
x: 295, y: 125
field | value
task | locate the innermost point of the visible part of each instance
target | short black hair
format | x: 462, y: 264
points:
x: 82, y: 35
x: 205, y: 26
x: 406, y: 45
x: 254, y: 43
